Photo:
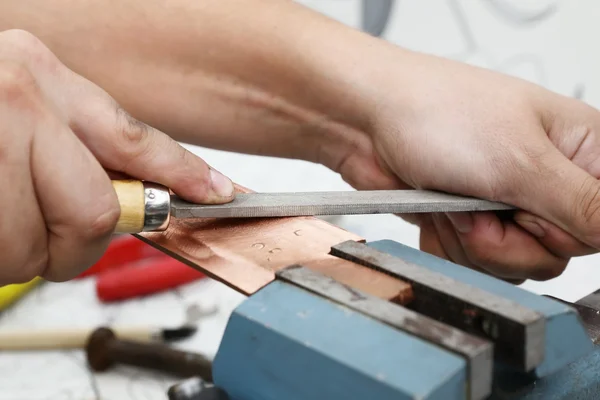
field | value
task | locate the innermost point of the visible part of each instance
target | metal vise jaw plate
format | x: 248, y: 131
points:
x: 517, y: 331
x: 477, y: 352
x: 565, y: 336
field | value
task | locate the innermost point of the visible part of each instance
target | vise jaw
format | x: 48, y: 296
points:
x: 307, y: 336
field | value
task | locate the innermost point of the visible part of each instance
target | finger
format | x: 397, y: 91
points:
x: 439, y: 239
x: 23, y: 239
x: 119, y: 141
x: 452, y: 245
x: 504, y: 249
x: 429, y: 240
x: 573, y: 128
x: 432, y: 243
x: 76, y: 197
x: 556, y: 240
x: 562, y: 193
x: 450, y: 242
x: 124, y: 144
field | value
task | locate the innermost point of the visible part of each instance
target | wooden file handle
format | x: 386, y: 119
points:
x: 145, y: 206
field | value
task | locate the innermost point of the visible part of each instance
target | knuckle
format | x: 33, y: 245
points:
x: 103, y: 222
x: 514, y: 166
x: 97, y: 221
x: 20, y: 37
x: 133, y: 137
x: 16, y: 82
x: 587, y: 205
x: 26, y: 46
x: 34, y: 267
x: 27, y: 266
x: 133, y: 132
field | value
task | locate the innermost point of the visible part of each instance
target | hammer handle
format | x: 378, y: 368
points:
x: 54, y: 339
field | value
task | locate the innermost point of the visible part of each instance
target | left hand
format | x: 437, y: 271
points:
x: 456, y: 128
x: 61, y: 137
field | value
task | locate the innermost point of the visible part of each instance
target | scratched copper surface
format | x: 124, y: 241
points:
x: 245, y: 253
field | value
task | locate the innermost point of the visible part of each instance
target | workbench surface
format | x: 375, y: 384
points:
x: 549, y: 57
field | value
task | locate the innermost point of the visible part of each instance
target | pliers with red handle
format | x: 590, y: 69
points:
x: 131, y: 268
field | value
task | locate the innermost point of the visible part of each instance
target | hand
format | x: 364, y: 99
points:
x: 59, y: 135
x: 447, y: 126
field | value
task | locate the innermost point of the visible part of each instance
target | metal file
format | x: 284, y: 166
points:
x: 249, y: 205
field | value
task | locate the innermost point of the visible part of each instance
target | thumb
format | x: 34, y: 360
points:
x: 556, y: 240
x: 124, y: 144
x: 566, y: 195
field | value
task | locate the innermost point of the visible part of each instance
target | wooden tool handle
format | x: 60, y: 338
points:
x: 145, y: 206
x: 133, y: 208
x: 54, y: 339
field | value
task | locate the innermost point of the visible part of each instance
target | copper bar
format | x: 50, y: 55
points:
x: 245, y: 253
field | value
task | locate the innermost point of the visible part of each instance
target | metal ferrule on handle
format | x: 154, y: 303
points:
x: 157, y: 207
x: 145, y: 206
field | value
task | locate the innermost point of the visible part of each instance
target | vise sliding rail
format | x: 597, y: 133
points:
x: 517, y: 332
x: 477, y: 352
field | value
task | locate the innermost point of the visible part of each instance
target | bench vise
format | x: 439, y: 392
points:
x: 466, y: 335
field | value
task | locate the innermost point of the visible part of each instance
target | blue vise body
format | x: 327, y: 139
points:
x: 468, y: 336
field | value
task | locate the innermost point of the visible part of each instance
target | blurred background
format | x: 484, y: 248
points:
x: 549, y: 42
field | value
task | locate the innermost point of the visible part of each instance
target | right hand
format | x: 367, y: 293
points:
x: 466, y: 130
x: 60, y: 138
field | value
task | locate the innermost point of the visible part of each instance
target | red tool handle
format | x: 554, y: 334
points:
x: 123, y: 250
x: 152, y: 276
